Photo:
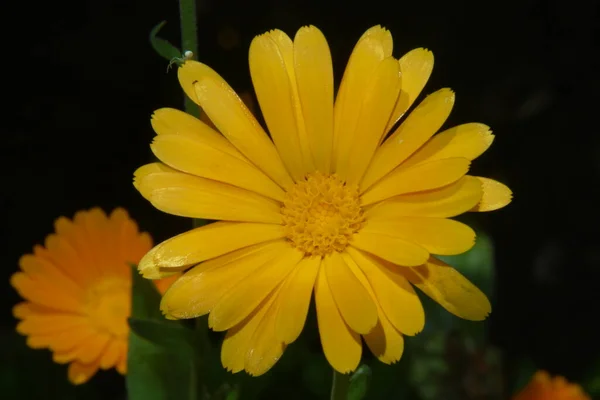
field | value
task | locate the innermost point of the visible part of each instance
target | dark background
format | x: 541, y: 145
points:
x: 84, y: 80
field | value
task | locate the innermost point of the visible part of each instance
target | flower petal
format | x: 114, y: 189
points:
x: 202, y: 244
x: 195, y: 197
x: 373, y: 47
x: 272, y: 69
x: 229, y: 114
x: 265, y: 347
x: 450, y: 289
x: 94, y: 346
x: 111, y: 355
x: 342, y: 347
x: 394, y: 294
x: 199, y: 289
x: 495, y: 195
x: 238, y: 339
x: 294, y: 299
x: 415, y: 70
x: 436, y: 235
x: 384, y: 341
x: 448, y: 201
x: 51, y: 323
x: 197, y: 158
x: 44, y: 293
x: 421, y: 177
x: 41, y: 268
x: 314, y: 78
x: 467, y: 141
x: 378, y: 102
x: 352, y: 299
x: 242, y: 299
x: 79, y: 373
x: 169, y: 121
x: 390, y: 248
x: 417, y: 128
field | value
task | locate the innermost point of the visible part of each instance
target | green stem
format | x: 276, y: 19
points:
x: 340, y: 385
x: 189, y: 41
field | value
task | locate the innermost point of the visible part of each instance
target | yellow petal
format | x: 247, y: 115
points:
x: 202, y: 244
x: 351, y: 297
x: 436, y: 235
x: 233, y: 119
x: 41, y: 268
x: 394, y: 294
x: 418, y: 127
x: 46, y: 324
x: 372, y: 48
x: 44, y: 293
x: 450, y: 289
x: 384, y: 341
x: 169, y: 121
x: 195, y: 197
x: 378, y: 102
x: 199, y: 289
x: 265, y: 347
x: 243, y: 298
x: 22, y: 310
x: 426, y: 176
x: 272, y: 71
x: 197, y: 158
x: 93, y: 348
x: 415, y: 70
x: 495, y: 195
x: 314, y: 77
x: 342, y: 347
x: 114, y: 350
x: 294, y: 299
x: 72, y: 339
x: 390, y: 248
x: 448, y: 201
x: 238, y: 339
x: 79, y: 373
x: 467, y: 141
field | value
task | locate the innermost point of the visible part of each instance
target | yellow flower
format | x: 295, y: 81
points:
x: 330, y: 202
x: 77, y: 291
x: 544, y: 387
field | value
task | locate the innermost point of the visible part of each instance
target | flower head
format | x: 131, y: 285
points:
x: 339, y: 200
x: 77, y: 291
x: 544, y: 387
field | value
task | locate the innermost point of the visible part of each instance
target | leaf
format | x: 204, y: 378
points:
x: 165, y: 334
x: 359, y: 383
x: 156, y: 368
x: 163, y: 47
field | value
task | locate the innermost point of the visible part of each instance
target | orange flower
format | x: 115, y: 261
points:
x: 544, y: 387
x: 78, y: 291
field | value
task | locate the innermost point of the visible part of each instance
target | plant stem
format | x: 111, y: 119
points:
x: 189, y: 42
x: 340, y: 385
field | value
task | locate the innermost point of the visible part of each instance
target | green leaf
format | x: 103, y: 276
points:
x: 359, y: 383
x: 167, y: 334
x: 163, y: 47
x: 158, y: 367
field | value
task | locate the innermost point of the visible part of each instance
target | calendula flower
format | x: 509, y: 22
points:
x: 544, y: 387
x: 337, y: 201
x: 78, y: 291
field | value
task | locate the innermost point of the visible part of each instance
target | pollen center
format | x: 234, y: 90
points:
x: 321, y: 213
x: 108, y: 306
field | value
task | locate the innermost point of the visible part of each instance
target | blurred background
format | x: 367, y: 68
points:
x: 84, y: 81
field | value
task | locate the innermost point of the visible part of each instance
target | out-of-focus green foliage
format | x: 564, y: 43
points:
x: 161, y: 360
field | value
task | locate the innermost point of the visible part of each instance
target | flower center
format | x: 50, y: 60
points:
x: 109, y: 305
x: 321, y: 213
